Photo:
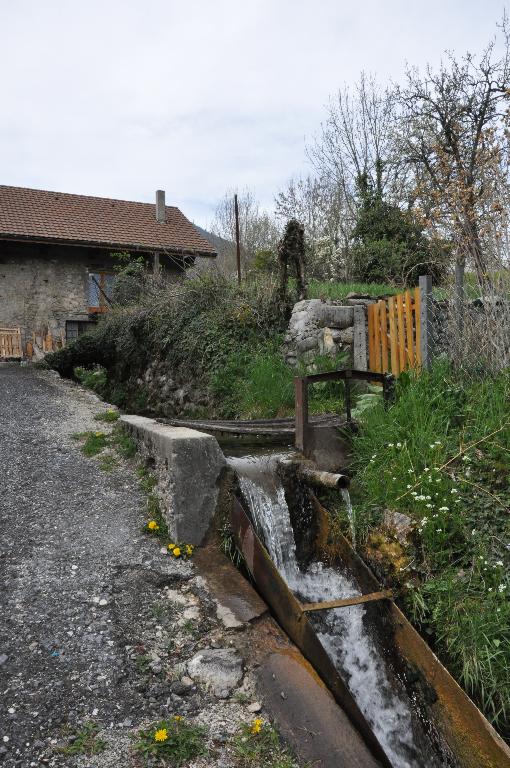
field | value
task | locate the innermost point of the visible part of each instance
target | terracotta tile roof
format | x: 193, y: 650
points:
x: 34, y: 214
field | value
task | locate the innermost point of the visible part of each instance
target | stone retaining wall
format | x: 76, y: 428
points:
x: 327, y: 327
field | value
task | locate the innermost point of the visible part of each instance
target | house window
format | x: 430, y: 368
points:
x: 75, y: 328
x: 100, y: 290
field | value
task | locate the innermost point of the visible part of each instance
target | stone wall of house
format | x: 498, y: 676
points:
x: 326, y: 327
x: 41, y: 286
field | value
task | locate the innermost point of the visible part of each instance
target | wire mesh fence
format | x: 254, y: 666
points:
x: 470, y: 327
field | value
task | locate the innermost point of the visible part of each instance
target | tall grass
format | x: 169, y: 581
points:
x: 332, y: 290
x: 440, y: 455
x: 260, y: 385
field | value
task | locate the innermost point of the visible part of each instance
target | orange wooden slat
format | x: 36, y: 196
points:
x: 393, y: 338
x: 417, y: 307
x: 384, y: 338
x: 377, y: 337
x: 409, y: 328
x: 371, y: 342
x: 401, y: 332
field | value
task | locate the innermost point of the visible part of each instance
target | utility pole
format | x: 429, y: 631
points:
x: 238, y: 244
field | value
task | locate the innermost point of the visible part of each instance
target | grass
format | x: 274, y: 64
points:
x: 94, y: 443
x: 123, y: 443
x: 259, y: 745
x: 319, y: 289
x: 260, y: 385
x: 84, y: 742
x: 108, y: 416
x: 174, y: 742
x: 108, y: 463
x: 440, y: 455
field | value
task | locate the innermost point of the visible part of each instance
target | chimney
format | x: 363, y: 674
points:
x: 160, y: 206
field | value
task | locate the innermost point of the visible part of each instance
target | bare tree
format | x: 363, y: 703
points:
x: 454, y: 136
x: 258, y: 229
x: 357, y: 140
x: 319, y: 203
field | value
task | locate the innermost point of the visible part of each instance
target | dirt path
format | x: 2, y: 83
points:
x: 95, y: 619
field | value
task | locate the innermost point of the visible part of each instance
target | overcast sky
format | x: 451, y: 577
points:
x: 120, y: 97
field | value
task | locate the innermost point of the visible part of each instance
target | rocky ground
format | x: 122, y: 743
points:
x: 98, y: 624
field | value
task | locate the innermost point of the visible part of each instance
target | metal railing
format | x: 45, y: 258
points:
x: 346, y: 375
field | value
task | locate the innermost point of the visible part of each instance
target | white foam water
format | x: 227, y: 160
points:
x: 341, y: 631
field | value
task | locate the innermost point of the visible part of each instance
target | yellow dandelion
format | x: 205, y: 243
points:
x: 171, y: 546
x: 161, y: 735
x: 152, y: 525
x: 189, y: 549
x: 177, y: 552
x: 256, y: 726
x: 177, y: 718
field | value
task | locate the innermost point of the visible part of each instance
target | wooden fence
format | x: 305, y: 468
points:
x: 10, y: 343
x: 394, y: 333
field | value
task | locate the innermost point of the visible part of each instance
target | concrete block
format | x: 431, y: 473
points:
x: 187, y: 465
x: 360, y: 339
x: 331, y: 316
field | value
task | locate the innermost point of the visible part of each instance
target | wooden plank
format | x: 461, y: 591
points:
x: 10, y: 343
x: 377, y: 337
x: 393, y: 338
x: 417, y: 325
x: 346, y: 601
x: 409, y: 328
x: 384, y: 339
x: 401, y: 332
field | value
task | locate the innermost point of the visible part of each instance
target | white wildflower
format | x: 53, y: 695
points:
x: 444, y: 509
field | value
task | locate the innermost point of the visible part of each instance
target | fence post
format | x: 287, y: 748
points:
x: 359, y: 361
x: 425, y: 285
x: 301, y: 406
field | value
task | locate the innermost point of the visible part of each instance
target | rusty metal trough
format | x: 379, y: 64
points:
x: 464, y: 736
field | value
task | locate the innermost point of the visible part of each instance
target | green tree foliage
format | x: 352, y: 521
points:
x: 388, y: 242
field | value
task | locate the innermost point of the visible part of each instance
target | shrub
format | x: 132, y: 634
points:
x: 440, y: 456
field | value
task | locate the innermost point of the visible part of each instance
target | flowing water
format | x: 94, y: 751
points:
x: 350, y: 514
x: 350, y: 645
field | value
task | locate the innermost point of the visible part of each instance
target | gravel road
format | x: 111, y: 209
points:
x: 81, y: 589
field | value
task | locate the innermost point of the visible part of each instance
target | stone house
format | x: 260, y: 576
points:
x: 57, y: 255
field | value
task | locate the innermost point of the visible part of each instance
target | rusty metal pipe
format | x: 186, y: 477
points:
x: 323, y: 479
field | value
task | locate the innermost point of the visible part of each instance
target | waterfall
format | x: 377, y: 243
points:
x: 350, y: 514
x: 342, y: 632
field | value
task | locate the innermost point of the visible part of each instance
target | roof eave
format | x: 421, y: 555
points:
x: 106, y: 245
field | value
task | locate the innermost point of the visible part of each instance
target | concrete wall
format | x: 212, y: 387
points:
x: 187, y: 465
